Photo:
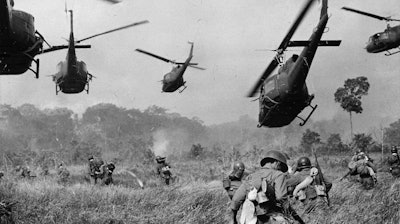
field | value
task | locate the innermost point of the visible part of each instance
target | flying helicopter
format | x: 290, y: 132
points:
x: 174, y: 79
x: 383, y: 41
x: 72, y: 75
x: 284, y: 95
x: 19, y: 41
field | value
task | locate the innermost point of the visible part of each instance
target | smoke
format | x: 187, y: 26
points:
x: 161, y: 142
x: 172, y: 141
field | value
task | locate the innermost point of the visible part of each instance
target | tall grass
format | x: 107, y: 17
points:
x: 197, y: 197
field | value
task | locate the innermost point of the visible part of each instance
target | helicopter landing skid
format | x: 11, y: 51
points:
x: 87, y: 88
x: 36, y: 72
x: 390, y: 53
x: 309, y: 115
x: 184, y: 87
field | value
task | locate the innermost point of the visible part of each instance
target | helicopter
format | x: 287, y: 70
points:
x: 174, y: 79
x: 284, y: 95
x: 19, y: 41
x: 72, y: 75
x: 383, y: 41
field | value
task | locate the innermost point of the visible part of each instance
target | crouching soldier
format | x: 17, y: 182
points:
x: 106, y: 171
x: 234, y: 180
x: 63, y: 174
x: 366, y: 171
x: 305, y: 186
x: 264, y: 194
x: 394, y: 162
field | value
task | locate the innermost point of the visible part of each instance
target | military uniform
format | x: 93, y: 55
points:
x: 63, y: 174
x: 163, y: 169
x: 394, y: 162
x: 232, y: 182
x: 94, y: 169
x: 271, y: 203
x: 366, y: 171
x: 310, y: 200
x: 106, y: 172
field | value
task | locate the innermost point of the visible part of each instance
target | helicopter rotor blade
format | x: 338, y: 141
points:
x: 282, y: 47
x: 271, y: 67
x: 60, y: 47
x: 155, y: 56
x: 197, y: 67
x: 113, y: 30
x: 369, y: 14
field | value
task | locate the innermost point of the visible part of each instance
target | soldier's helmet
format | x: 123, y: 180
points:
x: 303, y: 162
x: 394, y: 149
x: 90, y: 157
x: 238, y: 170
x: 361, y: 156
x: 274, y: 155
x: 238, y: 166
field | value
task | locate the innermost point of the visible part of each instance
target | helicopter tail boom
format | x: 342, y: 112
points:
x: 5, y: 15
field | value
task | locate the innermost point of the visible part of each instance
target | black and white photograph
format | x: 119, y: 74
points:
x: 199, y: 111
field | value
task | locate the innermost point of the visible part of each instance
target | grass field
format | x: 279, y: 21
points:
x: 195, y: 197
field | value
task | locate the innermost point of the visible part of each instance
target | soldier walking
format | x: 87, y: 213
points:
x: 163, y: 169
x: 94, y: 169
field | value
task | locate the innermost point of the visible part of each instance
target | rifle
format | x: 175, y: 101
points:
x: 320, y: 178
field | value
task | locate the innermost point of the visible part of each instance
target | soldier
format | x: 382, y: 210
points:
x: 305, y: 187
x: 365, y: 169
x: 394, y: 162
x: 234, y: 180
x: 163, y: 169
x: 94, y: 169
x: 63, y: 174
x: 266, y: 192
x: 106, y: 171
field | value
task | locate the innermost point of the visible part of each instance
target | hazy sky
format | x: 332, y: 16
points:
x: 226, y: 34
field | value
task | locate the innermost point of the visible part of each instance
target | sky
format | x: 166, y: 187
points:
x: 227, y: 34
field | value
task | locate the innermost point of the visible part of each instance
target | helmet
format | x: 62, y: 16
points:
x: 394, y: 149
x: 238, y: 166
x: 303, y: 162
x: 360, y: 157
x: 274, y: 155
x: 90, y: 157
x: 238, y: 170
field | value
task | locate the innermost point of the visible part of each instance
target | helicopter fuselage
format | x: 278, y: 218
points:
x: 384, y: 41
x: 72, y: 75
x: 285, y: 95
x: 19, y: 43
x: 74, y: 80
x: 174, y: 79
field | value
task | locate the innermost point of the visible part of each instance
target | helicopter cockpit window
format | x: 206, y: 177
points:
x: 384, y: 36
x: 167, y: 77
x: 269, y: 86
x: 84, y: 68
